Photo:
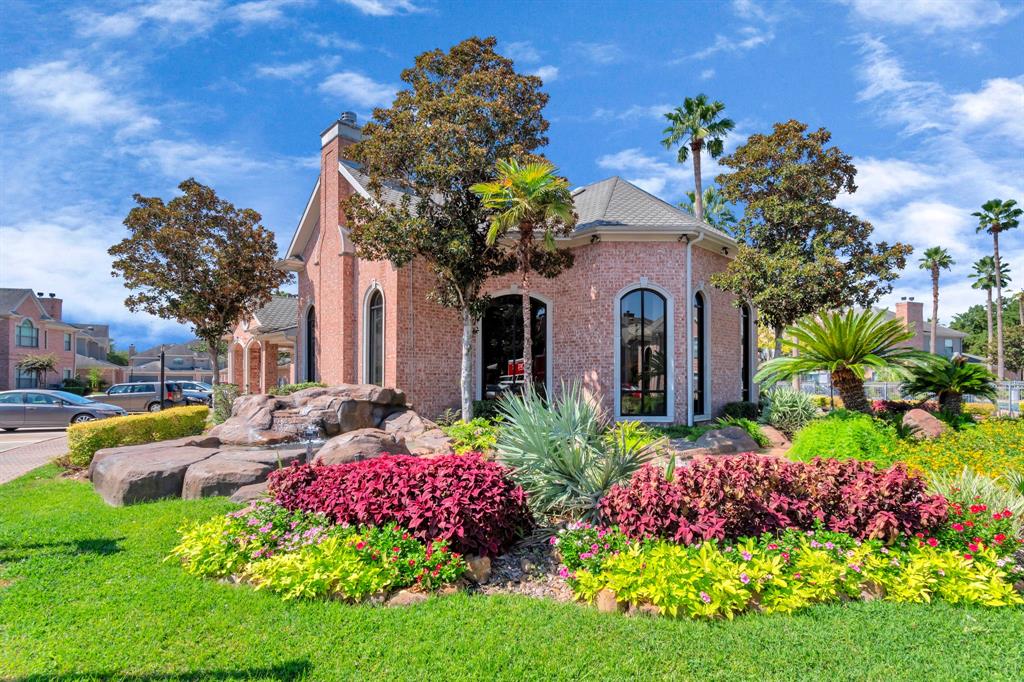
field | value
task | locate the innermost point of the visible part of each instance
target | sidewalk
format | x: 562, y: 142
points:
x: 21, y: 460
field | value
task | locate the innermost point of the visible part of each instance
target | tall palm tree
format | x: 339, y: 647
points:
x: 528, y: 199
x: 845, y: 344
x: 984, y: 277
x: 998, y: 216
x: 696, y: 126
x: 935, y: 259
x: 717, y: 212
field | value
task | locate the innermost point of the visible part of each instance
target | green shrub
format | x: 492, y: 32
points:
x: 742, y: 409
x: 634, y: 433
x: 135, y: 429
x: 486, y: 409
x: 752, y: 428
x: 825, y: 402
x: 223, y: 398
x: 788, y: 410
x: 557, y: 452
x: 288, y: 389
x: 844, y: 435
x: 477, y: 435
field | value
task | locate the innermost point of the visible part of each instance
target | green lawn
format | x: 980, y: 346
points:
x: 85, y: 595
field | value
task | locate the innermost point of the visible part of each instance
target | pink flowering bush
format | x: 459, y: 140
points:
x: 747, y: 495
x: 471, y: 503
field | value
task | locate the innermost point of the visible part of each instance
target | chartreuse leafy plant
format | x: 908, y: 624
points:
x: 477, y: 435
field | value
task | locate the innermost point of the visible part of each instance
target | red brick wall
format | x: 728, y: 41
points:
x: 51, y: 342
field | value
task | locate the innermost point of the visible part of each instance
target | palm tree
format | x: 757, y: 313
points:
x: 845, y: 345
x: 40, y: 365
x: 984, y: 277
x: 717, y: 212
x: 994, y: 217
x: 695, y: 126
x: 948, y: 379
x: 936, y: 258
x: 527, y: 198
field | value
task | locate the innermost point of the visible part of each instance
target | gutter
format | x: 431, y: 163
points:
x: 689, y: 325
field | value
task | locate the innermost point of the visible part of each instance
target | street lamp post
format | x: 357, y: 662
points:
x: 163, y: 386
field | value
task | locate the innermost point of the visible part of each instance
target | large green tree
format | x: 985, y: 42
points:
x: 695, y: 127
x: 198, y: 260
x: 530, y: 206
x: 995, y: 217
x: 458, y: 114
x: 934, y: 260
x: 800, y: 253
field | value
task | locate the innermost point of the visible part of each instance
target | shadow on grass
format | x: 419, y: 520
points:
x: 97, y: 546
x: 283, y: 672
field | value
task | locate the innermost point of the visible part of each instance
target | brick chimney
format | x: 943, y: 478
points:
x: 912, y: 314
x: 53, y: 306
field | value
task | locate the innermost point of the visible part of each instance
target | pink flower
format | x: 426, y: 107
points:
x: 932, y: 542
x: 564, y: 572
x: 705, y: 597
x: 360, y: 544
x: 958, y: 527
x: 553, y: 540
x: 746, y: 555
x: 594, y: 548
x: 744, y: 578
x: 773, y: 546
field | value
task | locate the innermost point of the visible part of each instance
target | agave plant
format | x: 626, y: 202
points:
x: 948, y: 380
x: 846, y: 345
x: 787, y: 410
x: 560, y: 454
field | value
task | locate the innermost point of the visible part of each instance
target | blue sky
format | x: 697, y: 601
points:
x: 102, y: 100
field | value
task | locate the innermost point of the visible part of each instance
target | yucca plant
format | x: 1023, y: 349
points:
x: 559, y: 454
x: 787, y: 410
x: 948, y: 380
x: 845, y: 344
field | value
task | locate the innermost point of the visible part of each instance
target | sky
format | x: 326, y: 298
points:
x: 99, y: 101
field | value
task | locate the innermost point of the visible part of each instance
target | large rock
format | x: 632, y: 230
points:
x: 103, y: 454
x: 358, y: 445
x: 219, y: 475
x: 927, y: 425
x: 728, y: 440
x: 422, y: 437
x: 248, y: 493
x: 140, y: 474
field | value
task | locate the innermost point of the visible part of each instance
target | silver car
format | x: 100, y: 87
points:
x: 142, y: 396
x: 31, y: 408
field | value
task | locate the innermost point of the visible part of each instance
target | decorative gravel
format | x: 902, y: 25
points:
x: 530, y: 569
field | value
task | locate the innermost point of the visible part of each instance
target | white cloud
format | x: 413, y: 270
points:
x: 73, y: 93
x: 262, y: 11
x: 916, y: 105
x: 634, y: 112
x: 287, y: 71
x: 521, y: 51
x: 384, y: 8
x: 96, y: 25
x: 180, y: 18
x: 355, y: 88
x: 707, y: 74
x: 547, y: 73
x: 332, y: 41
x: 882, y: 182
x: 599, y: 53
x: 747, y: 38
x: 998, y: 107
x: 931, y: 15
x: 196, y: 12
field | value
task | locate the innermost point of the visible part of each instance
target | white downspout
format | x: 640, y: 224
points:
x: 689, y: 326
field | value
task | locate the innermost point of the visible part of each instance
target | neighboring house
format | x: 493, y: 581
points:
x: 636, y: 320
x: 261, y: 349
x: 181, y: 362
x: 32, y: 325
x: 93, y: 345
x: 950, y: 341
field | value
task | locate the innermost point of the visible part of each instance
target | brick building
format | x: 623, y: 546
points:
x: 261, y: 350
x: 618, y: 321
x: 32, y: 324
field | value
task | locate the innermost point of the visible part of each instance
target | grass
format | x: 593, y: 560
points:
x: 85, y: 594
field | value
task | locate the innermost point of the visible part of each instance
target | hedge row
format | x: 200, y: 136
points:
x: 85, y: 439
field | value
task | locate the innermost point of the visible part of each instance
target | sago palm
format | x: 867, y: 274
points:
x: 984, y: 277
x: 527, y: 199
x: 935, y: 259
x: 717, y: 212
x: 995, y: 217
x: 696, y: 126
x: 845, y: 344
x: 948, y: 380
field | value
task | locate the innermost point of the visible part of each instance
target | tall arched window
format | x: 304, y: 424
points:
x: 501, y: 346
x: 699, y: 355
x: 27, y: 335
x: 643, y: 354
x: 374, y: 322
x: 746, y: 348
x: 311, y: 344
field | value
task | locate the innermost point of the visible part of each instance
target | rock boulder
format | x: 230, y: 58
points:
x: 219, y: 475
x: 926, y: 425
x: 359, y: 445
x: 727, y: 441
x: 136, y: 475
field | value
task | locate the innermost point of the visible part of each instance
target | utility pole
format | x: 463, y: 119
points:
x: 163, y: 387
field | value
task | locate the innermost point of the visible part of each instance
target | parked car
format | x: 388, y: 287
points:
x: 197, y: 393
x: 25, y: 408
x: 142, y: 396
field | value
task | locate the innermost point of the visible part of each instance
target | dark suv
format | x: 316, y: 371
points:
x: 143, y: 397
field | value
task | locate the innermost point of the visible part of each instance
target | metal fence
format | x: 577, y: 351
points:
x: 1010, y: 393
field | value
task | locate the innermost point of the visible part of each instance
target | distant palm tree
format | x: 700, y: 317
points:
x: 935, y: 259
x: 984, y: 277
x: 527, y: 199
x: 846, y: 345
x: 998, y: 216
x: 695, y: 126
x: 717, y: 212
x: 948, y: 380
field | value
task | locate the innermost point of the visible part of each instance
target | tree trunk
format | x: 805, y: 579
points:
x: 951, y: 403
x: 988, y: 346
x: 214, y: 352
x: 999, y: 308
x: 778, y: 342
x: 851, y: 390
x: 933, y: 343
x: 467, y: 365
x: 525, y: 242
x: 698, y: 195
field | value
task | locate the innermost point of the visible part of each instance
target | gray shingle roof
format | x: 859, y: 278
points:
x: 616, y: 202
x: 10, y: 298
x: 281, y: 313
x: 393, y: 192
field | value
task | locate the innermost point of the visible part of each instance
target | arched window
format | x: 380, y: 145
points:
x: 747, y: 351
x: 501, y: 346
x: 27, y: 335
x: 374, y: 321
x: 700, y: 355
x: 643, y: 354
x: 311, y: 344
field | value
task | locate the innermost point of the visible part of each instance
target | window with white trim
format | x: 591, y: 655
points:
x: 27, y: 335
x: 643, y: 354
